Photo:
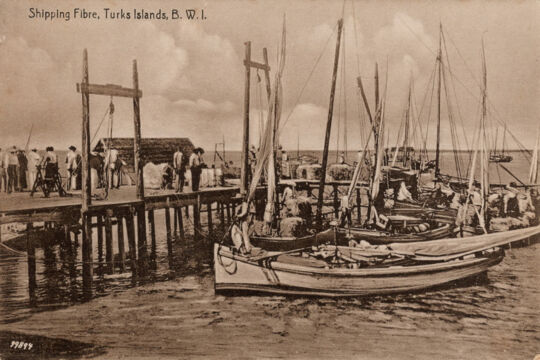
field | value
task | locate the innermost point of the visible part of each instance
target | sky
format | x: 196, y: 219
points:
x: 192, y: 75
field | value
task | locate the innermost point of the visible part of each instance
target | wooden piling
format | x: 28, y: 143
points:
x: 336, y: 201
x: 86, y: 192
x: 221, y: 215
x: 210, y: 221
x: 130, y: 225
x: 121, y: 247
x: 228, y: 207
x: 175, y: 221
x: 153, y: 238
x: 197, y: 219
x: 359, y: 204
x: 100, y: 242
x: 169, y: 237
x: 31, y: 254
x: 180, y: 223
x: 141, y: 240
x: 109, y: 255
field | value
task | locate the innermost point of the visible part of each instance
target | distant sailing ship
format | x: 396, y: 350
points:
x: 500, y: 157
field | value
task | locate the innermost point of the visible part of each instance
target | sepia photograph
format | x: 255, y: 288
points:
x: 256, y: 179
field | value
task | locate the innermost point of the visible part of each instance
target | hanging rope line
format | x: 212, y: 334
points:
x: 308, y: 79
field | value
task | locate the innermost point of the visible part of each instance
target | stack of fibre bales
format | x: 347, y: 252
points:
x: 309, y: 171
x: 340, y: 171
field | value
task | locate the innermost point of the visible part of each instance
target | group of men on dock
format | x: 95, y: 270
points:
x: 181, y: 164
x: 19, y: 168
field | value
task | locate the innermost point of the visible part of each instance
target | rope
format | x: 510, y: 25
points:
x: 307, y: 80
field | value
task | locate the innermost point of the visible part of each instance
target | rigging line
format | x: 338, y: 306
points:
x: 455, y: 92
x: 344, y: 84
x: 423, y: 142
x: 99, y: 126
x: 467, y: 89
x: 308, y: 78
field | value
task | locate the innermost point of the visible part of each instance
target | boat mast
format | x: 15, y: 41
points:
x: 437, y: 152
x: 407, y: 125
x: 245, y: 142
x: 328, y: 126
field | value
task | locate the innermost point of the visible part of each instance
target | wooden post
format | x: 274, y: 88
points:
x: 100, y: 243
x: 141, y: 218
x: 197, y: 218
x: 359, y: 204
x: 228, y: 213
x: 169, y: 237
x: 109, y: 254
x: 153, y: 238
x: 141, y: 240
x: 87, y: 257
x: 180, y: 223
x: 137, y: 141
x: 328, y: 127
x: 245, y: 142
x: 120, y: 233
x: 175, y: 221
x: 210, y: 221
x: 221, y: 215
x: 267, y: 74
x: 31, y: 254
x: 130, y: 225
x: 336, y: 201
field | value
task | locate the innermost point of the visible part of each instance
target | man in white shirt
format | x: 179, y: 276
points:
x: 13, y: 167
x: 111, y: 168
x: 179, y: 166
x: 195, y: 165
x: 71, y: 165
x: 33, y: 161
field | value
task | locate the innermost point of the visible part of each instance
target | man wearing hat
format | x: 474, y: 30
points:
x: 33, y: 161
x: 13, y: 165
x: 195, y: 165
x: 71, y: 166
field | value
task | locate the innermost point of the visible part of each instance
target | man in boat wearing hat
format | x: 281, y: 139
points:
x: 195, y: 165
x: 71, y: 165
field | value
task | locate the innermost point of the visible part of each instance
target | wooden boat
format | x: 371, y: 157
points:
x: 377, y: 237
x: 276, y: 243
x: 500, y: 158
x: 294, y: 274
x: 370, y: 271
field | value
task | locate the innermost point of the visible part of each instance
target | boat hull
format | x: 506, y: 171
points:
x: 276, y: 243
x: 378, y: 237
x: 236, y: 273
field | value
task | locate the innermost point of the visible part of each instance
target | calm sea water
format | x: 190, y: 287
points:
x: 494, y: 317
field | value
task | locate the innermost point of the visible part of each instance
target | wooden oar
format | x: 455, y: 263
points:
x: 264, y: 257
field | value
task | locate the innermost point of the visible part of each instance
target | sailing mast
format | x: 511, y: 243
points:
x: 484, y: 173
x: 407, y: 125
x: 328, y: 127
x: 437, y: 151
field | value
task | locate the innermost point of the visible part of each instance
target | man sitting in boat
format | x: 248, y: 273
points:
x: 510, y: 199
x: 345, y: 209
x: 404, y: 194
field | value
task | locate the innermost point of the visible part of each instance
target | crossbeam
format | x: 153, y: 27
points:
x: 257, y: 65
x: 109, y: 89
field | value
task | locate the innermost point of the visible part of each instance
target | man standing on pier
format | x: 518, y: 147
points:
x: 71, y: 165
x: 179, y: 166
x: 33, y: 161
x: 13, y: 165
x: 195, y: 165
x: 3, y: 171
